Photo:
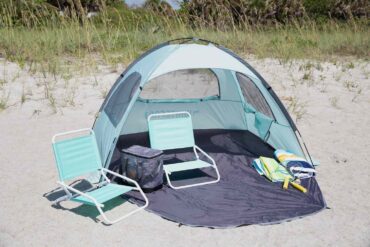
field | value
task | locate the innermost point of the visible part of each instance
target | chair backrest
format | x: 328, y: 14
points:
x: 171, y: 130
x: 76, y: 156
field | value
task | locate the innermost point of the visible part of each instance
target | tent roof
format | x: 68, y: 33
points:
x: 188, y: 56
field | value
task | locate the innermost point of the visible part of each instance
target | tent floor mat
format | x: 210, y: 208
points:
x: 242, y: 197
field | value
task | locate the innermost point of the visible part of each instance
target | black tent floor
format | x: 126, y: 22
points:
x: 241, y: 197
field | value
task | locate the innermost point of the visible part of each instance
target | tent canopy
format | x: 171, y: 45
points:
x: 245, y: 100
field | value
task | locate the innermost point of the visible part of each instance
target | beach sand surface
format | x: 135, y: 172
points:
x: 330, y: 102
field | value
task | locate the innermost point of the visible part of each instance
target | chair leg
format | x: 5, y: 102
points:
x: 100, y: 206
x: 61, y: 199
x: 66, y: 197
x: 111, y: 222
x: 193, y: 185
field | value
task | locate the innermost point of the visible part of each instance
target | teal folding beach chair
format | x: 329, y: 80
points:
x: 79, y: 156
x: 173, y: 131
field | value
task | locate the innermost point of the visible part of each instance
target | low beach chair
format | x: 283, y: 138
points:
x: 79, y: 156
x: 174, y: 130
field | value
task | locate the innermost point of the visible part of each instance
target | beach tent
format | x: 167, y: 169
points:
x: 259, y: 111
x: 244, y: 119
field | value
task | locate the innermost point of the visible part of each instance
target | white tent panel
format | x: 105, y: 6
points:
x: 199, y: 56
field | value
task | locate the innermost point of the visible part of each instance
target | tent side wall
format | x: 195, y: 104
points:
x: 125, y: 72
x: 106, y: 131
x: 266, y: 85
x: 206, y: 114
x: 282, y: 133
x: 275, y: 130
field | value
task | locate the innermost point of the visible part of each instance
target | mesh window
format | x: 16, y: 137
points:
x: 182, y: 84
x: 120, y: 99
x: 253, y: 95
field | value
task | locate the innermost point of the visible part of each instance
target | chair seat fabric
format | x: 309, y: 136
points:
x: 187, y: 165
x: 103, y: 194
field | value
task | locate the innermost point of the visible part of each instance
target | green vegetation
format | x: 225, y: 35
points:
x: 4, y: 101
x: 34, y: 32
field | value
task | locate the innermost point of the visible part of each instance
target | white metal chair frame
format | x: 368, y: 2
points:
x: 195, y: 147
x: 106, y: 181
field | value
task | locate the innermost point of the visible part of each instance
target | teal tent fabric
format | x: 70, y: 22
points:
x: 209, y: 114
x: 283, y: 137
x: 228, y: 111
x: 263, y: 124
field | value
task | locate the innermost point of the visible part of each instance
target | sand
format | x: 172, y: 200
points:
x: 330, y: 102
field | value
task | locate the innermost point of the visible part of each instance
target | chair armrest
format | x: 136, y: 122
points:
x: 121, y: 176
x: 204, y: 153
x: 80, y: 193
x: 132, y: 181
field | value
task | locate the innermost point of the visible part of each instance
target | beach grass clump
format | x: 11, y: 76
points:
x: 4, y: 98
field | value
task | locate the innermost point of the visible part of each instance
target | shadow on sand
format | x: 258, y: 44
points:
x: 82, y: 209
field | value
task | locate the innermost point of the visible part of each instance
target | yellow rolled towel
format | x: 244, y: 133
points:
x: 299, y: 187
x: 286, y: 183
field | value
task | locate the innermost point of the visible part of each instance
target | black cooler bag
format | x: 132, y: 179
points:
x: 144, y: 165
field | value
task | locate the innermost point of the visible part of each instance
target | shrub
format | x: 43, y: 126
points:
x: 26, y: 13
x: 160, y: 7
x: 348, y: 9
x: 88, y: 5
x: 224, y: 13
x: 338, y: 9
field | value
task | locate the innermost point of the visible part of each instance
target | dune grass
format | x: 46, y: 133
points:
x: 117, y: 38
